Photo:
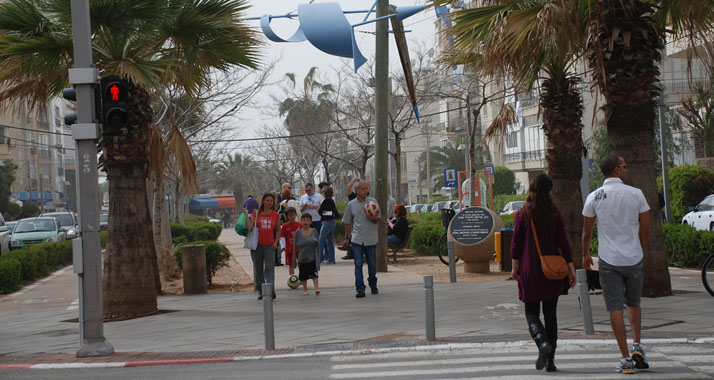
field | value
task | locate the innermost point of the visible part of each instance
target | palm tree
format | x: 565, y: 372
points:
x: 626, y: 41
x: 234, y: 174
x: 308, y: 112
x: 535, y: 42
x: 150, y: 43
x: 440, y: 158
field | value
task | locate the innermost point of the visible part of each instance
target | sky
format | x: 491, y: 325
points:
x: 299, y: 57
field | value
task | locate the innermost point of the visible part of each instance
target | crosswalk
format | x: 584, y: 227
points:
x: 515, y: 361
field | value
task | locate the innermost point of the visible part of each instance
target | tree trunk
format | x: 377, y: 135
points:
x: 624, y: 55
x: 129, y: 288
x: 162, y: 232
x: 151, y: 203
x: 180, y: 204
x: 562, y: 114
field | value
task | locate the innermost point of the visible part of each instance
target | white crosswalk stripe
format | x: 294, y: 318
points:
x: 596, y: 362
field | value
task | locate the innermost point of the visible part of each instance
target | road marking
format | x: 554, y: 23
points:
x: 74, y: 305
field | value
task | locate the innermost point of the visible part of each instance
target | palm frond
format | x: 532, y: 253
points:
x: 499, y: 126
x: 157, y: 152
x: 177, y: 145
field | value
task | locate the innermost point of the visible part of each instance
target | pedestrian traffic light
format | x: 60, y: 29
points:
x: 115, y: 110
x: 71, y: 95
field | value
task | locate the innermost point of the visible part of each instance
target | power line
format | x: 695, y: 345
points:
x: 37, y: 130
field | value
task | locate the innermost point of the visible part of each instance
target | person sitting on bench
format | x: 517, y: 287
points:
x: 398, y: 226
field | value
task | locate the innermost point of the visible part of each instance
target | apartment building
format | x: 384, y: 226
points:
x: 36, y: 140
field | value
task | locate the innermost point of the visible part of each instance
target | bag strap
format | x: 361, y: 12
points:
x: 535, y: 236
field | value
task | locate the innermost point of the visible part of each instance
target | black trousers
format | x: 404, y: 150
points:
x: 550, y: 318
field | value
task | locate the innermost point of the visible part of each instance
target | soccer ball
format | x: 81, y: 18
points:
x: 293, y: 281
x: 372, y: 209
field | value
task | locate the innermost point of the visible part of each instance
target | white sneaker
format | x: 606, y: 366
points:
x: 639, y: 357
x: 625, y: 365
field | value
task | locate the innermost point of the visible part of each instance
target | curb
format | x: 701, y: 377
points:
x: 294, y: 355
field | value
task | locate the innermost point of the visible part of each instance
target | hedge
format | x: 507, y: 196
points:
x: 688, y: 186
x: 687, y: 247
x: 25, y: 265
x: 217, y: 256
x: 195, y: 232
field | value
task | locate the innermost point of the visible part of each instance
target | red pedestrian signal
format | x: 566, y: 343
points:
x: 115, y: 107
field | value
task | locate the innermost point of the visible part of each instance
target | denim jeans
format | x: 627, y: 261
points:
x: 393, y: 240
x: 327, y: 241
x: 368, y: 252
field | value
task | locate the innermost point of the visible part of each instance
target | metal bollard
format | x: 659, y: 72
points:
x: 268, y: 316
x: 585, y: 308
x: 429, y: 302
x: 452, y: 261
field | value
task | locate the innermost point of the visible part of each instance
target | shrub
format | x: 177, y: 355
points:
x: 689, y: 185
x: 104, y: 236
x: 34, y: 262
x: 507, y: 220
x: 29, y: 210
x: 10, y: 275
x: 425, y: 235
x: 504, y: 181
x: 339, y: 231
x: 195, y: 232
x: 13, y: 210
x: 192, y: 219
x: 217, y: 256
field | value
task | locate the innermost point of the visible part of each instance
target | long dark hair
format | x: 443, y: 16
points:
x: 539, y: 204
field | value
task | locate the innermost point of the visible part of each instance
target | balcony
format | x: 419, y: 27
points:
x: 533, y: 155
x: 684, y: 87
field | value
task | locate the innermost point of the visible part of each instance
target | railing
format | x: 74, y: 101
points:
x: 533, y: 155
x: 684, y: 87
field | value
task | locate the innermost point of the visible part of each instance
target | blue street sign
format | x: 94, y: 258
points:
x: 489, y: 168
x: 450, y: 178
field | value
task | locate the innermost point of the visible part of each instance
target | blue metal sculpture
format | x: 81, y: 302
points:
x: 326, y: 27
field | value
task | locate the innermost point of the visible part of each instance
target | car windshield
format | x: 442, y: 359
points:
x: 10, y: 226
x: 35, y: 225
x: 104, y: 218
x: 517, y: 205
x: 64, y: 219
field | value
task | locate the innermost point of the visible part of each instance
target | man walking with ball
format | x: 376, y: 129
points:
x: 362, y: 224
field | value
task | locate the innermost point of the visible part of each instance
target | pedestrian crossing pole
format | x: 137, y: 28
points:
x: 429, y: 303
x: 86, y: 249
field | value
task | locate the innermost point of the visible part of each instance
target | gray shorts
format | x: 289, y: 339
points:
x: 621, y: 285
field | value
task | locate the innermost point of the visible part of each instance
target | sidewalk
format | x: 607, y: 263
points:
x: 223, y: 325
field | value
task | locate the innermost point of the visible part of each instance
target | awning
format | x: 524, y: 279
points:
x: 226, y: 202
x: 202, y: 203
x: 23, y: 196
x: 48, y: 196
x: 34, y: 196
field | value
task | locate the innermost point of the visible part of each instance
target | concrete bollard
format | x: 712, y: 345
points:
x: 268, y: 316
x: 585, y: 307
x: 193, y: 261
x: 452, y: 261
x: 429, y: 303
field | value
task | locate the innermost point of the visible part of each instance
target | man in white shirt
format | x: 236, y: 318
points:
x: 309, y: 203
x: 623, y: 229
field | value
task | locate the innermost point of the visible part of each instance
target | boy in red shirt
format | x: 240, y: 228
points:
x: 288, y: 232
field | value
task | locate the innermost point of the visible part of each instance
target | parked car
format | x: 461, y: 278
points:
x: 10, y: 226
x: 103, y: 222
x: 417, y: 207
x: 511, y: 207
x: 439, y: 205
x: 4, y: 236
x: 702, y: 216
x: 30, y: 231
x: 68, y: 220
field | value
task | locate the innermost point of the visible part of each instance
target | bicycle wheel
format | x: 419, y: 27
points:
x: 442, y: 249
x: 708, y: 274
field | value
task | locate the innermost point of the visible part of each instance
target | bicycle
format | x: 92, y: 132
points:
x: 442, y: 248
x: 708, y: 274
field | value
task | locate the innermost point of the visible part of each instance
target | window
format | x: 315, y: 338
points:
x: 512, y: 140
x: 443, y: 142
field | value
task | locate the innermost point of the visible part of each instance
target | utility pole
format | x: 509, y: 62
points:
x: 87, y: 248
x: 665, y: 168
x: 381, y: 138
x: 428, y: 163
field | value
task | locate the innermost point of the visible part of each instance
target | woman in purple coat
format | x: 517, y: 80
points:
x: 534, y: 288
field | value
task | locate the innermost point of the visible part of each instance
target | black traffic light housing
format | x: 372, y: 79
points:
x: 115, y: 105
x: 71, y: 94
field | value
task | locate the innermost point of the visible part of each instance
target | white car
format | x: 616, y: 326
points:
x: 4, y: 236
x: 511, y: 207
x: 702, y: 217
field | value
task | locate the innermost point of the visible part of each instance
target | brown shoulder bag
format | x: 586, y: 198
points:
x: 554, y: 266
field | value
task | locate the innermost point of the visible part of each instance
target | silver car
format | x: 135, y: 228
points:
x: 67, y: 220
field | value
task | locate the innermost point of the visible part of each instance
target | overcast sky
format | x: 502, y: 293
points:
x: 299, y: 57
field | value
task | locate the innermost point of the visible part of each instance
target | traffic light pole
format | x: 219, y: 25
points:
x: 87, y: 247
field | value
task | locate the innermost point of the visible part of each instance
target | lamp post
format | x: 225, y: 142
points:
x: 465, y: 148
